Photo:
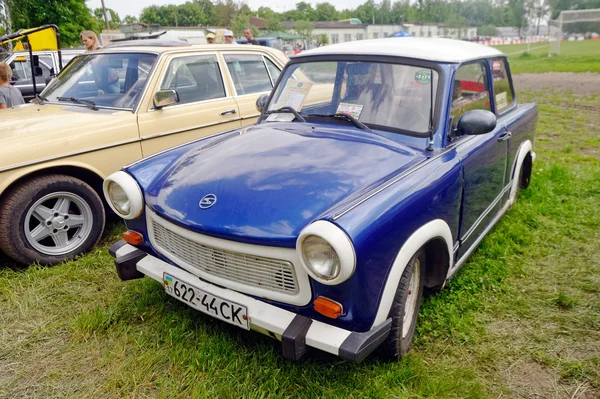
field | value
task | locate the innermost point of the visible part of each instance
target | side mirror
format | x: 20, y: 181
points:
x: 37, y: 71
x: 164, y: 98
x: 475, y: 122
x: 261, y: 102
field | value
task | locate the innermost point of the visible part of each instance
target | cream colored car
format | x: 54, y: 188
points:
x: 105, y: 110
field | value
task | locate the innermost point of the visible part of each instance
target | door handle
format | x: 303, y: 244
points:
x: 505, y: 136
x: 230, y: 112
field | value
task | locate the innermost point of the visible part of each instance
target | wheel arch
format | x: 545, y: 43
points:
x: 433, y: 237
x: 82, y: 172
x: 525, y: 149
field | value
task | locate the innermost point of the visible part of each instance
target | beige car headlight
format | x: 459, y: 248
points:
x: 326, y: 253
x: 124, y: 195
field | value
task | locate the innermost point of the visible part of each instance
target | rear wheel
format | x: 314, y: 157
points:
x: 405, y: 308
x: 50, y: 219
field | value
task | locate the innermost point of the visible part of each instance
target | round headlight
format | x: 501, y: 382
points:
x: 326, y: 253
x: 320, y: 257
x: 124, y: 195
x: 118, y: 198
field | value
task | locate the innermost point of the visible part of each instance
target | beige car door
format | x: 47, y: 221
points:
x: 252, y: 75
x: 205, y: 105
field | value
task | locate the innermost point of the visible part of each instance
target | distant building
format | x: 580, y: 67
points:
x: 353, y: 29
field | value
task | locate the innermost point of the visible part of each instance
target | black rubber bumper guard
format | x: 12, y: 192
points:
x: 126, y: 264
x: 356, y: 347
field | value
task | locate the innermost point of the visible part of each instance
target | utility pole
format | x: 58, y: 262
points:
x: 105, y: 16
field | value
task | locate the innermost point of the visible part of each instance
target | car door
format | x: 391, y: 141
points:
x: 205, y: 105
x: 484, y: 156
x: 505, y: 106
x: 252, y: 75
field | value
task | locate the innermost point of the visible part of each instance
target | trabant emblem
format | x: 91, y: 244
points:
x: 207, y: 201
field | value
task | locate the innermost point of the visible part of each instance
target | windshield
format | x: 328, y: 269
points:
x: 109, y: 80
x: 384, y: 96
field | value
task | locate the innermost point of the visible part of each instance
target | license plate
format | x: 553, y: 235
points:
x: 212, y: 305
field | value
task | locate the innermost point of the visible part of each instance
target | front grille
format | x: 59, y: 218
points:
x: 271, y: 274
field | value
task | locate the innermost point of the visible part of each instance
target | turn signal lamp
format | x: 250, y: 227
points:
x: 328, y: 308
x: 133, y: 237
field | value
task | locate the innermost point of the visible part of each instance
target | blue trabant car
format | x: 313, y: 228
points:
x: 374, y: 171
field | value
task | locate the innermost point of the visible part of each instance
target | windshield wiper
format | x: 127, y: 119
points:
x: 40, y: 99
x: 288, y: 110
x: 340, y: 115
x: 87, y: 103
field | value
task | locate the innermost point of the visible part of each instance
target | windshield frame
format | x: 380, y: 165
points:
x: 384, y: 59
x: 137, y: 105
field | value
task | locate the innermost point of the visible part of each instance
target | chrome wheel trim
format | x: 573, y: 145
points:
x: 68, y: 223
x: 410, y: 305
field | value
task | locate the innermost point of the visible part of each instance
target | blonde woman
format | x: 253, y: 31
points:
x: 89, y: 40
x: 9, y: 96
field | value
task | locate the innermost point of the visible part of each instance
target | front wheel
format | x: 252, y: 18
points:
x: 405, y: 308
x: 50, y: 219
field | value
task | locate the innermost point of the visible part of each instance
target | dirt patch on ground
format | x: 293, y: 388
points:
x: 586, y: 84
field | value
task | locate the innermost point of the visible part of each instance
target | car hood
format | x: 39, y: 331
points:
x: 32, y: 132
x: 274, y: 179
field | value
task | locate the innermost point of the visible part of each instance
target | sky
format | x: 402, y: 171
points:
x: 134, y: 7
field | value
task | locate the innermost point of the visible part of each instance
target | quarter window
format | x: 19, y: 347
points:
x: 470, y: 90
x: 196, y: 78
x: 503, y: 93
x: 248, y: 72
x: 274, y: 70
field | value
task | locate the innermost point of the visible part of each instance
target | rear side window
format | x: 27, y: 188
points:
x: 249, y: 73
x: 503, y: 92
x: 196, y: 78
x: 470, y: 90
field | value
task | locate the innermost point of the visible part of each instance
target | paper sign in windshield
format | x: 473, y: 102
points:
x: 293, y: 95
x: 281, y: 117
x: 350, y: 109
x: 501, y: 101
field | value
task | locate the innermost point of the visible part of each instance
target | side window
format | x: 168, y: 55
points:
x: 274, y: 70
x: 503, y: 93
x: 196, y: 78
x: 248, y: 72
x: 21, y: 70
x: 470, y: 90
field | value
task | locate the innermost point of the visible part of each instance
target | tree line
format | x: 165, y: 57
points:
x: 73, y: 16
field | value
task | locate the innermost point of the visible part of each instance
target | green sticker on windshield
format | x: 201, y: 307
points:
x: 423, y: 77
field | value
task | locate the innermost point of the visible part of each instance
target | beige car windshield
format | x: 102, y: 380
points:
x: 108, y: 80
x: 380, y: 95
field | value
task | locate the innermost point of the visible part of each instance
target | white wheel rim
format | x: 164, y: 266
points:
x: 410, y: 305
x: 58, y: 223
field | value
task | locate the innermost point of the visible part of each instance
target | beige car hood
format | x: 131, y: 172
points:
x: 34, y: 132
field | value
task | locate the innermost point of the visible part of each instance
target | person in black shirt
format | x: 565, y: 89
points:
x: 250, y: 37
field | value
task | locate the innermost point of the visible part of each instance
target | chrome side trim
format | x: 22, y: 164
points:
x: 71, y: 154
x: 487, y: 211
x: 190, y: 129
x: 462, y: 260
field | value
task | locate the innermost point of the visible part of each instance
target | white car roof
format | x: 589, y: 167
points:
x: 421, y: 48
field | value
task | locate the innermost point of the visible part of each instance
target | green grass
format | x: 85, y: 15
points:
x: 575, y: 56
x: 521, y: 319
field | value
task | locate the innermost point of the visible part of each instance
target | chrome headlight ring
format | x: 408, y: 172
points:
x: 326, y: 253
x: 123, y: 195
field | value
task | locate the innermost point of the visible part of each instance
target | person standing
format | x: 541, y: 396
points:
x: 210, y: 38
x: 250, y: 37
x: 229, y: 37
x: 9, y: 96
x: 89, y: 40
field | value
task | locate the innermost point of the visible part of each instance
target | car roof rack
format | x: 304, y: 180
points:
x: 149, y: 43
